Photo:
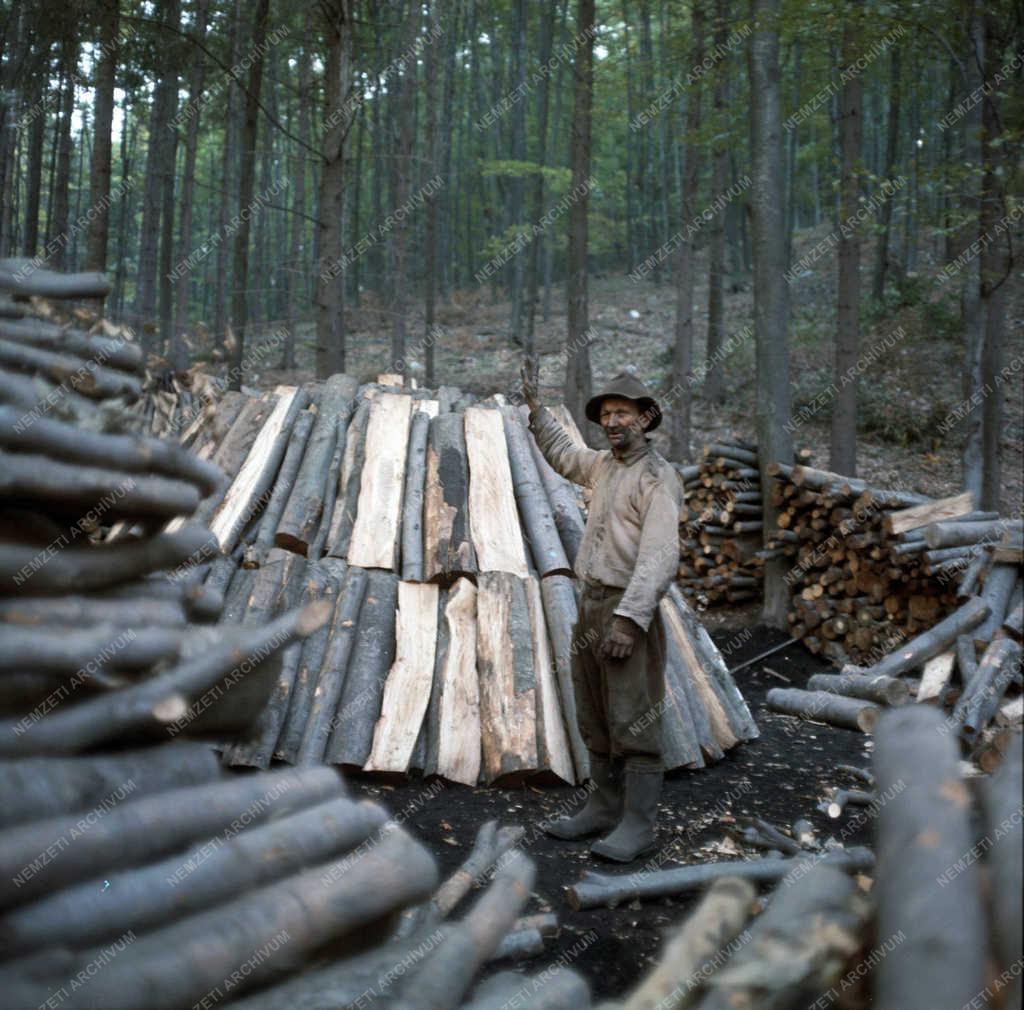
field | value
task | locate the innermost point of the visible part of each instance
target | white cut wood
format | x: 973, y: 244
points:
x: 407, y: 689
x: 232, y: 511
x: 556, y: 740
x: 378, y: 516
x: 493, y: 518
x: 563, y: 416
x: 935, y: 676
x: 931, y: 512
x: 389, y: 379
x: 1012, y: 712
x: 458, y: 748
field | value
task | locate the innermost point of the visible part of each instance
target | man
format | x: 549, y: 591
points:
x: 627, y: 558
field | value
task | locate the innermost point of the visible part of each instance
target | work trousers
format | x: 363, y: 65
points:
x: 619, y: 702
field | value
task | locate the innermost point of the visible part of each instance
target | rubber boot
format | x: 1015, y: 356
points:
x: 602, y: 809
x: 634, y: 835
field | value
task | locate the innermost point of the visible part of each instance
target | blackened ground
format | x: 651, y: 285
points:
x: 781, y: 777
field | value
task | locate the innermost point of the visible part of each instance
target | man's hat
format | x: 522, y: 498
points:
x: 626, y: 387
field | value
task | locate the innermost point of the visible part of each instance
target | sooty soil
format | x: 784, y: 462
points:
x: 781, y: 777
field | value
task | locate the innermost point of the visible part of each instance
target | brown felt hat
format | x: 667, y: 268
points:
x: 626, y: 387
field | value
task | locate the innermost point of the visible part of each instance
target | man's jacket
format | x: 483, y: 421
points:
x: 631, y: 540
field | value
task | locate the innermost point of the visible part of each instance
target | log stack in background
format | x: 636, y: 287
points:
x: 443, y: 543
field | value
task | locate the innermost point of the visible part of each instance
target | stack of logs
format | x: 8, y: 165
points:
x: 720, y: 525
x: 379, y: 501
x: 935, y: 922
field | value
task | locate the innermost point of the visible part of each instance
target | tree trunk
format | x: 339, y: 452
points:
x: 240, y: 273
x: 843, y: 442
x: 577, y: 365
x: 58, y: 223
x: 34, y: 170
x: 770, y: 295
x: 891, y: 149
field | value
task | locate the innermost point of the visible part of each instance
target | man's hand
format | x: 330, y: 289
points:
x: 619, y: 642
x: 529, y: 377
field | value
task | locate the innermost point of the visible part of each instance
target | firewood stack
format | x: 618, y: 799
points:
x: 935, y: 921
x: 443, y: 543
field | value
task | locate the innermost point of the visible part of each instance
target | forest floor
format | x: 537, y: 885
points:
x: 905, y: 395
x: 781, y: 777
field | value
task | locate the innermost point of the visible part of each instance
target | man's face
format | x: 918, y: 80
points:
x: 622, y: 422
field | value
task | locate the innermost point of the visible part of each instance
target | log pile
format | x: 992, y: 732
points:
x: 935, y: 920
x: 443, y: 543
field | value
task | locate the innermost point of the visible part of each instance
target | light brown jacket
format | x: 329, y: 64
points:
x: 631, y: 539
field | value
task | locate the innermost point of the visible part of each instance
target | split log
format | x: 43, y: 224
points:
x: 412, y: 498
x: 131, y: 832
x: 302, y: 515
x: 933, y: 641
x: 941, y: 961
x: 339, y: 536
x: 508, y: 712
x: 133, y: 453
x: 685, y: 729
x: 458, y: 738
x: 595, y: 890
x: 112, y: 494
x: 407, y: 689
x: 882, y: 690
x: 1001, y: 807
x: 80, y: 569
x: 187, y: 882
x: 835, y: 709
x: 333, y: 668
x: 284, y: 483
x: 251, y: 486
x: 552, y: 740
x: 184, y: 963
x: 321, y: 584
x: 936, y: 676
x: 190, y: 693
x: 922, y: 515
x: 447, y: 547
x: 493, y: 519
x: 814, y: 921
x: 375, y: 536
x: 32, y: 789
x: 534, y: 507
x: 560, y: 612
x: 352, y: 738
x: 27, y: 277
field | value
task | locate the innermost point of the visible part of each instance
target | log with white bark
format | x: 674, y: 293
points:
x: 28, y: 277
x: 493, y: 518
x: 923, y: 886
x: 376, y: 535
x: 407, y: 689
x: 835, y: 709
x: 997, y: 591
x: 997, y: 668
x: 879, y: 689
x: 954, y: 534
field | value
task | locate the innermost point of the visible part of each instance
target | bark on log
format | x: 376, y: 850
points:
x: 184, y: 883
x: 375, y: 536
x: 941, y: 961
x: 560, y: 613
x: 686, y: 956
x: 997, y: 592
x: 25, y: 277
x: 448, y: 550
x: 352, y: 738
x: 561, y: 990
x: 685, y: 730
x: 318, y: 545
x: 882, y: 690
x: 534, y: 508
x: 302, y: 515
x: 493, y: 519
x: 595, y: 890
x: 132, y: 832
x: 185, y: 962
x: 850, y: 713
x: 339, y: 536
x: 977, y: 706
x: 931, y: 642
x: 133, y: 453
x: 32, y: 789
x: 458, y: 737
x: 115, y: 352
x: 412, y: 497
x: 508, y: 714
x: 953, y: 534
x: 333, y: 668
x: 407, y: 689
x: 78, y: 611
x: 80, y: 569
x: 88, y: 378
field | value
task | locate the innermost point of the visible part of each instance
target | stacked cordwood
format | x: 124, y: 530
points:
x: 932, y: 918
x: 137, y: 871
x: 889, y: 584
x: 443, y: 542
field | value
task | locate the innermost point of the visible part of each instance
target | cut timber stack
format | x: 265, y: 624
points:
x: 443, y: 543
